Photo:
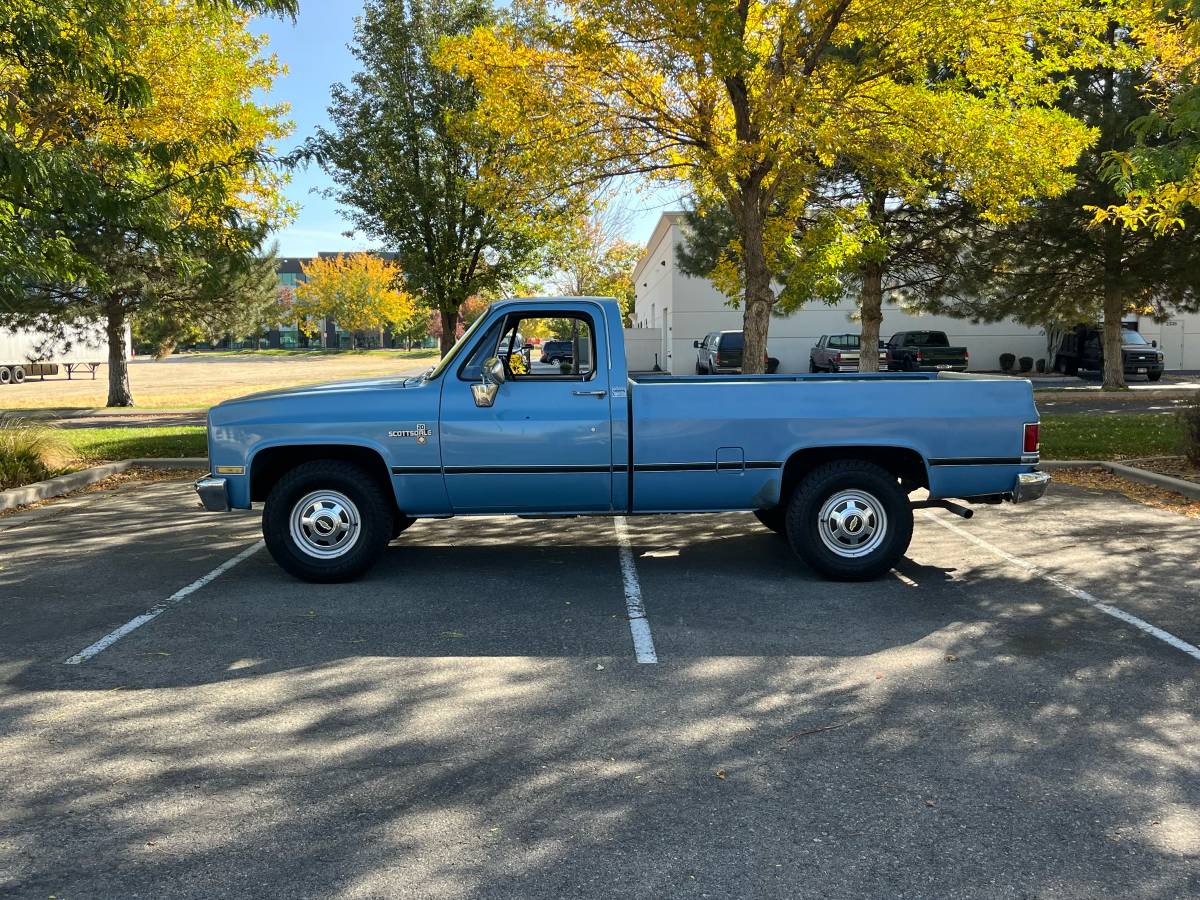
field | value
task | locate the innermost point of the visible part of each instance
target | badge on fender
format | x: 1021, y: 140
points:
x: 421, y: 433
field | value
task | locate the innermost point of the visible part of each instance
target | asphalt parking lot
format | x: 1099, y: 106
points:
x: 470, y: 720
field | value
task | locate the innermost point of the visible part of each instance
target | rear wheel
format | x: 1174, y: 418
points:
x: 5, y: 375
x: 774, y: 518
x: 18, y: 375
x: 849, y: 520
x: 327, y: 521
x: 812, y: 367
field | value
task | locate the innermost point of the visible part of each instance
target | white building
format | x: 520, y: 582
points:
x: 684, y: 309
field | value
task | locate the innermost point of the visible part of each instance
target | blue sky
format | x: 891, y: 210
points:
x: 315, y: 51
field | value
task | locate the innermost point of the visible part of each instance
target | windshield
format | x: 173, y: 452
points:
x: 458, y: 345
x: 1129, y: 336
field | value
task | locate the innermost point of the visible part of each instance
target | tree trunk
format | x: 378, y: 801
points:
x: 759, y: 298
x: 871, y: 307
x: 449, y: 330
x: 1114, y: 360
x: 119, y: 393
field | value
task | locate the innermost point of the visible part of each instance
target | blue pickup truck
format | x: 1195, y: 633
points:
x: 827, y: 461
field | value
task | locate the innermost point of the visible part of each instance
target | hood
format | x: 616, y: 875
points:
x: 329, y: 388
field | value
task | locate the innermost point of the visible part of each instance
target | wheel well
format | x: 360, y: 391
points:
x: 907, y: 465
x: 269, y: 465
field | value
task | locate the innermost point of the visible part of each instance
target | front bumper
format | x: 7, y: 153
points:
x: 213, y: 493
x: 1029, y: 486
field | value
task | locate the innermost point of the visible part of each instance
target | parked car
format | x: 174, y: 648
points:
x: 1083, y: 349
x: 925, y: 351
x: 342, y: 469
x: 558, y: 351
x: 839, y: 353
x: 720, y: 353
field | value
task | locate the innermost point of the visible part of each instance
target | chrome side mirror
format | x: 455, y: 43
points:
x: 493, y: 375
x: 494, y: 372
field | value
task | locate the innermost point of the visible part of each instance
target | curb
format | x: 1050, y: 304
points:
x: 1166, y: 482
x: 65, y: 484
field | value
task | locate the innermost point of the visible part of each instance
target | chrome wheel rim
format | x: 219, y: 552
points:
x: 325, y: 524
x: 852, y: 523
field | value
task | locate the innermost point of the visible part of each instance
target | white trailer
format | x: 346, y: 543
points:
x: 26, y: 351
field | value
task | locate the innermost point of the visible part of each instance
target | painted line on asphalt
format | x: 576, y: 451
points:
x: 1091, y: 600
x: 159, y: 608
x: 635, y: 608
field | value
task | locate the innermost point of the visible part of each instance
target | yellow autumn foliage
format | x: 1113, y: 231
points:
x: 359, y: 291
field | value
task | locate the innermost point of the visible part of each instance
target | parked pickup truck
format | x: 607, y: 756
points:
x: 828, y: 461
x: 1083, y: 348
x: 839, y: 353
x: 925, y: 351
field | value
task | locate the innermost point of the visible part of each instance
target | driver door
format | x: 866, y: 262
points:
x: 545, y: 443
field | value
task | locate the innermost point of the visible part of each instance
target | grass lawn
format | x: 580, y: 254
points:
x: 1110, y: 436
x: 93, y: 445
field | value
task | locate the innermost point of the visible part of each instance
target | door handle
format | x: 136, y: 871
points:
x: 590, y: 393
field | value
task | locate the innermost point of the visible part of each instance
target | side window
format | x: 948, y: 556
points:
x: 568, y: 346
x: 472, y: 368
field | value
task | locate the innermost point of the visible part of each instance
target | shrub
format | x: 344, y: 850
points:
x: 29, y: 451
x: 1040, y: 366
x: 1006, y: 362
x: 1026, y: 363
x: 1190, y: 417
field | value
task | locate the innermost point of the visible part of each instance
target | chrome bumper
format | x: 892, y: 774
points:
x: 1030, y: 486
x: 213, y: 494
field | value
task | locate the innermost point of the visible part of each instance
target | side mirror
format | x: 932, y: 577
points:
x: 1154, y: 343
x: 493, y: 371
x: 696, y: 344
x: 493, y: 375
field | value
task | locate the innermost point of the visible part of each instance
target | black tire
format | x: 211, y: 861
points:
x: 699, y: 368
x: 5, y: 375
x: 400, y: 524
x: 812, y: 367
x: 18, y: 375
x: 867, y: 487
x: 1071, y: 368
x: 774, y: 518
x: 372, y: 507
x: 1154, y: 376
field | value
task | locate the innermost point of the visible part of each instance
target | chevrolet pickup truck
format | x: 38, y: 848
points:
x: 827, y: 461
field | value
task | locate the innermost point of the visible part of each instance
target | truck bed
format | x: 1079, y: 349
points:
x: 720, y: 442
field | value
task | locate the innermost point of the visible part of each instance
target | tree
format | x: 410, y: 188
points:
x: 593, y: 260
x: 231, y: 296
x: 748, y: 101
x: 359, y: 291
x: 406, y: 164
x: 1059, y: 266
x: 164, y: 195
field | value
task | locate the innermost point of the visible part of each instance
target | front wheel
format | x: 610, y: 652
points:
x: 1154, y: 376
x: 849, y: 520
x: 327, y: 521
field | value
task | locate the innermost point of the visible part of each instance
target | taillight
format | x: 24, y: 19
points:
x: 919, y: 356
x: 1032, y: 439
x: 837, y: 358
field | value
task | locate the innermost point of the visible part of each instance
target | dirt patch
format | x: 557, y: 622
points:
x: 135, y: 474
x: 1098, y: 479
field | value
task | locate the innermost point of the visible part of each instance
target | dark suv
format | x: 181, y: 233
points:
x: 557, y: 351
x: 1083, y: 348
x: 720, y: 353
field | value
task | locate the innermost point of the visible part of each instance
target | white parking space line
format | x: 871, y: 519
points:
x: 159, y: 608
x: 639, y: 626
x: 1095, y: 602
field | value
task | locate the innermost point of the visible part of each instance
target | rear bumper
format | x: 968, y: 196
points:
x: 1029, y: 486
x: 213, y: 493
